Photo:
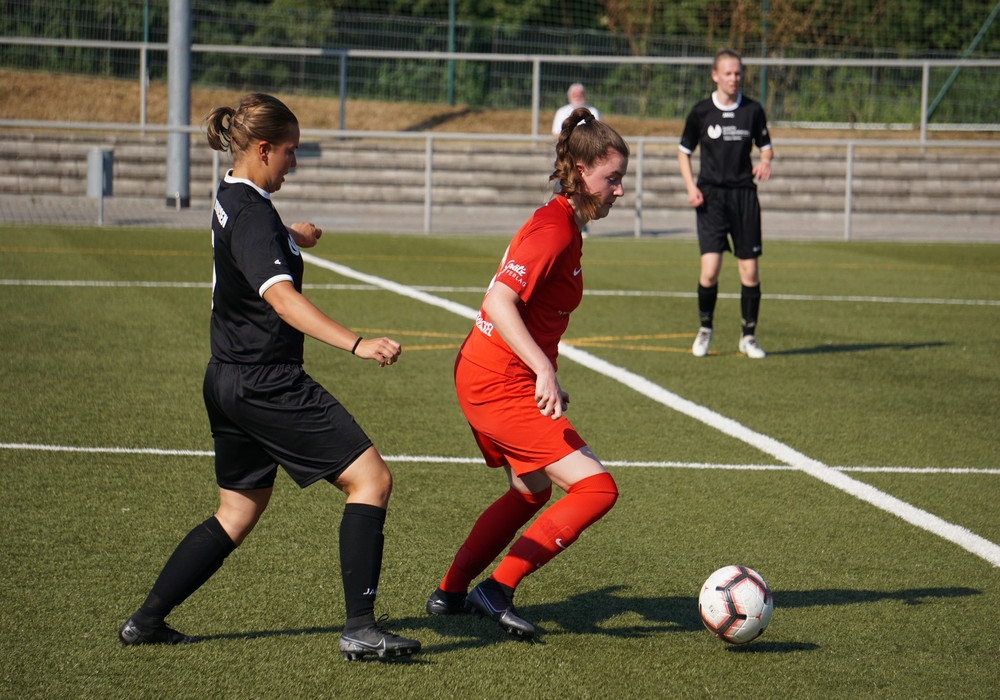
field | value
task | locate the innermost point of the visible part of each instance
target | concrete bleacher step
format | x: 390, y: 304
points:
x: 806, y: 178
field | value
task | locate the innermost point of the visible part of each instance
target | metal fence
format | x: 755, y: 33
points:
x: 338, y: 67
x: 915, y: 94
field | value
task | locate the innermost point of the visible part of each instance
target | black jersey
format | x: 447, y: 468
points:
x: 726, y: 135
x: 252, y: 251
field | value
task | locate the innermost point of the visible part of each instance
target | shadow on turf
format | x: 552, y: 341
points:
x: 859, y: 347
x: 845, y: 596
x: 589, y: 613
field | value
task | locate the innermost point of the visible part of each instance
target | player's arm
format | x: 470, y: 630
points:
x: 501, y: 307
x: 695, y: 198
x: 301, y: 314
x: 763, y: 169
x: 304, y: 234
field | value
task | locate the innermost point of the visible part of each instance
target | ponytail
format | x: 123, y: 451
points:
x: 587, y: 140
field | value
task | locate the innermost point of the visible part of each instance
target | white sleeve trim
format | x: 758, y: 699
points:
x: 273, y: 281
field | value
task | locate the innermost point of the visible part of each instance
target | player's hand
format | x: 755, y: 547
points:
x: 385, y: 351
x: 695, y: 197
x: 763, y: 170
x: 304, y: 234
x: 550, y: 399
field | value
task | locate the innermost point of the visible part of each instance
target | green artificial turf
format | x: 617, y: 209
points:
x: 879, y: 356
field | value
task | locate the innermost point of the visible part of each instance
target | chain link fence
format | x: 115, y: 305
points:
x: 844, y: 84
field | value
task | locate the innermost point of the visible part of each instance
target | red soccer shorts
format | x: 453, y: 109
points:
x: 506, y: 422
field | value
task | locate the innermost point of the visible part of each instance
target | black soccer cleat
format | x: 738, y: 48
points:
x: 446, y: 603
x: 130, y: 634
x: 375, y: 640
x: 487, y: 600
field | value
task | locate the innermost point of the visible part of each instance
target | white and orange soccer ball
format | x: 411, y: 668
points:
x: 735, y: 604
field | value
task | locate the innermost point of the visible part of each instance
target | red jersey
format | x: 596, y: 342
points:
x: 541, y: 264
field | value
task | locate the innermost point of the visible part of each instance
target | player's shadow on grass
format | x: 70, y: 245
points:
x: 856, y: 347
x: 847, y: 596
x: 594, y: 612
x: 586, y: 613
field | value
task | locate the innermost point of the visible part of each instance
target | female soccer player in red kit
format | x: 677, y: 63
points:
x: 505, y: 377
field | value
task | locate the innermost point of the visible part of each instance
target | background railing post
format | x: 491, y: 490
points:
x: 641, y: 157
x: 143, y: 86
x: 536, y: 95
x: 848, y: 190
x: 428, y: 182
x: 925, y: 83
x: 343, y: 89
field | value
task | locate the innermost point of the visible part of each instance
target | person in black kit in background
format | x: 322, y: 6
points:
x: 263, y: 408
x: 727, y: 125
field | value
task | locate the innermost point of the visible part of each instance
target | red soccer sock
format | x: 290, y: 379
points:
x: 492, y: 532
x: 558, y: 527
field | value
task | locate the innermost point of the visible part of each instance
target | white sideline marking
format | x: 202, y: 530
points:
x: 961, y: 536
x: 795, y: 297
x: 106, y: 450
x: 479, y: 290
x: 440, y: 459
x: 103, y: 283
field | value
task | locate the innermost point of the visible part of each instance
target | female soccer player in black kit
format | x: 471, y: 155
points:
x: 726, y: 126
x: 263, y: 408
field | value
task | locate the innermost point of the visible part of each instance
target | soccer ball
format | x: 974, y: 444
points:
x: 735, y: 604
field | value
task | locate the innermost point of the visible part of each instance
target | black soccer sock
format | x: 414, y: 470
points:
x: 361, y: 543
x: 707, y: 297
x: 197, y: 557
x: 749, y: 307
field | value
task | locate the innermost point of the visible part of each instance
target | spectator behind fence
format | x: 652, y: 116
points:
x: 576, y: 97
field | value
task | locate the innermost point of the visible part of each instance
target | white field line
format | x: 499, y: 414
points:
x: 105, y: 450
x: 479, y: 290
x: 961, y: 536
x: 441, y: 459
x: 790, y: 457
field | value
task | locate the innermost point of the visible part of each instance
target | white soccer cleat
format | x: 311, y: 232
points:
x: 749, y: 347
x: 701, y: 341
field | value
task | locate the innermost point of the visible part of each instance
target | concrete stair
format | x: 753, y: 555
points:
x: 807, y: 177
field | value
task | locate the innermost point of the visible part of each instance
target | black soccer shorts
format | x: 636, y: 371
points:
x: 263, y: 416
x: 730, y: 213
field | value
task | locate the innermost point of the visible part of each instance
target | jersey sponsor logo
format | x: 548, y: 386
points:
x: 734, y: 133
x: 512, y: 269
x: 714, y: 131
x: 291, y: 246
x: 484, y: 326
x: 220, y: 214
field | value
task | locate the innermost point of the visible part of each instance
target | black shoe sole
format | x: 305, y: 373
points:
x: 359, y: 654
